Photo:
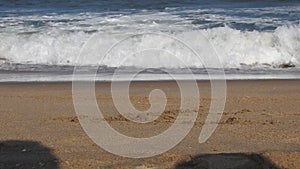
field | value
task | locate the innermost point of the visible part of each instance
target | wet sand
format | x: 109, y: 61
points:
x: 259, y: 127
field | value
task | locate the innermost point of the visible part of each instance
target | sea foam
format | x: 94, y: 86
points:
x: 235, y: 48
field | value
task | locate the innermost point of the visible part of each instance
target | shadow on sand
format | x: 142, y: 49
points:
x: 26, y: 154
x: 228, y: 161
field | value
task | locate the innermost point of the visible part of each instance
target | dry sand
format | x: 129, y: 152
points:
x: 259, y: 128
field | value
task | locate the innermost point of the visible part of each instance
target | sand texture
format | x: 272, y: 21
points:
x: 259, y: 127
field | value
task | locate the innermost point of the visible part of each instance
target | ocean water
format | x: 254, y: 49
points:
x: 42, y: 40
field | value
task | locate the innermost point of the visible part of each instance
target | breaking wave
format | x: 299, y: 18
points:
x: 235, y: 48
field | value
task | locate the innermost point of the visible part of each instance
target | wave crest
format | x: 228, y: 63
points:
x: 280, y: 48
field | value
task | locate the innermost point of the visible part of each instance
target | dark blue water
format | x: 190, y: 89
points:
x: 280, y: 11
x: 117, y: 5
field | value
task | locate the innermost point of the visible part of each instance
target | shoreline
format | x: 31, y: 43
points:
x: 150, y: 76
x: 143, y: 81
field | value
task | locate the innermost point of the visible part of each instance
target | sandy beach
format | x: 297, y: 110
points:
x: 47, y: 122
x: 259, y: 127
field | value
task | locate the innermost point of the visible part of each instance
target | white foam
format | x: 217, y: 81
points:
x: 235, y: 48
